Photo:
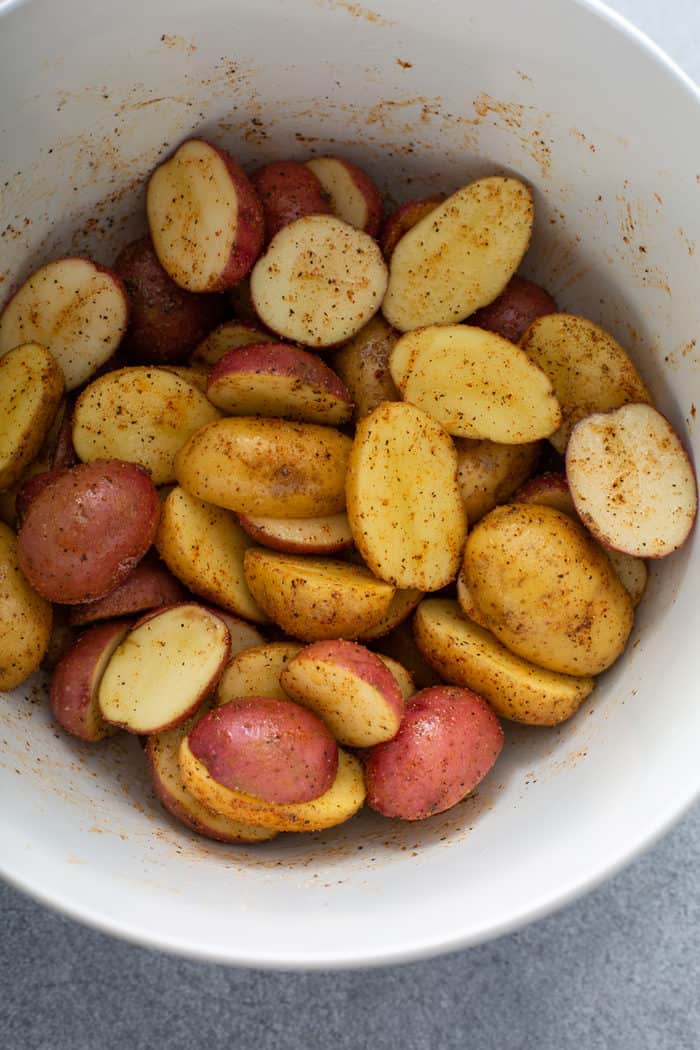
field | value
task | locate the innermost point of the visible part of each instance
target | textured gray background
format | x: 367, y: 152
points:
x: 618, y: 969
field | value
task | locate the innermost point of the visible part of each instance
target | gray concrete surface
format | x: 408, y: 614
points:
x: 617, y: 970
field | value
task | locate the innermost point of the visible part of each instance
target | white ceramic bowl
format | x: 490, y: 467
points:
x: 426, y: 96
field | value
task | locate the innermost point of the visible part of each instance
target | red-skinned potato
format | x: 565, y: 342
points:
x: 448, y: 741
x: 166, y: 322
x: 31, y: 488
x: 512, y: 312
x: 287, y: 191
x: 162, y: 754
x: 148, y: 586
x: 228, y: 336
x: 400, y: 608
x: 85, y: 531
x: 353, y: 196
x: 205, y: 219
x: 404, y: 218
x: 73, y: 307
x: 76, y: 681
x: 279, y: 380
x: 273, y: 749
x: 403, y: 677
x: 168, y: 663
x: 327, y: 535
x: 350, y: 688
x: 242, y: 634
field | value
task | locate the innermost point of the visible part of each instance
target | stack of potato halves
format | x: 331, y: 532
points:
x: 311, y: 498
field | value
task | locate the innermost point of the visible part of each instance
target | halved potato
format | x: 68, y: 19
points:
x: 203, y: 546
x: 327, y: 535
x: 73, y: 307
x: 404, y: 506
x: 142, y: 415
x: 76, y: 680
x: 31, y: 385
x: 589, y: 370
x: 402, y: 605
x: 475, y: 383
x: 316, y: 598
x: 363, y: 365
x: 167, y: 664
x: 465, y: 654
x: 228, y: 336
x: 337, y: 805
x: 319, y: 281
x: 148, y: 586
x: 196, y: 376
x: 353, y: 196
x: 288, y: 190
x: 461, y: 255
x: 403, y: 677
x: 488, y: 473
x: 267, y: 467
x: 403, y: 219
x: 24, y: 615
x: 256, y: 672
x: 631, y: 481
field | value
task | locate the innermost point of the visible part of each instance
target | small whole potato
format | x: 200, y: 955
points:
x: 448, y: 741
x: 273, y: 749
x: 545, y: 588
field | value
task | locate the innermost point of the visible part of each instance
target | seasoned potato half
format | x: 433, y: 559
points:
x: 148, y: 586
x: 589, y: 370
x: 256, y: 672
x: 488, y: 473
x: 353, y: 196
x: 461, y: 255
x: 404, y: 678
x: 337, y: 805
x: 404, y: 506
x: 267, y: 467
x: 327, y: 535
x: 475, y: 383
x: 24, y: 615
x: 76, y: 680
x: 75, y: 308
x: 520, y: 303
x: 402, y: 605
x: 631, y: 481
x: 363, y: 364
x: 547, y: 591
x: 404, y: 218
x: 466, y: 654
x: 142, y: 415
x: 228, y: 336
x: 319, y: 281
x: 203, y: 546
x: 316, y: 598
x: 31, y: 385
x: 288, y: 190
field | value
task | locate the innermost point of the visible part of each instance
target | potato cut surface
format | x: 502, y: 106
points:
x: 353, y: 196
x: 404, y: 506
x: 203, y: 546
x: 31, y: 385
x: 319, y: 282
x: 489, y: 473
x: 256, y: 672
x: 363, y: 364
x: 74, y: 308
x: 142, y: 415
x: 466, y: 654
x: 228, y: 336
x: 475, y: 383
x: 25, y: 617
x: 631, y: 481
x: 164, y: 668
x: 589, y: 370
x: 301, y: 535
x: 460, y: 256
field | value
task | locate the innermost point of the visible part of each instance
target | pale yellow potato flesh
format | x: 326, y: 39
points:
x: 24, y: 615
x: 402, y: 605
x: 589, y: 370
x: 267, y: 467
x: 256, y: 672
x: 142, y: 415
x: 346, y: 199
x: 461, y: 255
x: 204, y: 547
x: 197, y: 376
x: 31, y: 385
x: 72, y: 307
x: 404, y: 505
x: 488, y: 473
x: 316, y: 598
x: 319, y: 281
x: 468, y: 655
x: 475, y: 383
x: 547, y: 591
x: 403, y: 676
x: 342, y: 800
x: 363, y: 365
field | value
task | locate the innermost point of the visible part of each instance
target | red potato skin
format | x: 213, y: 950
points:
x: 550, y: 488
x: 166, y: 322
x: 87, y: 529
x: 64, y: 454
x: 73, y: 688
x: 31, y: 489
x: 288, y: 190
x: 403, y: 219
x: 372, y: 197
x: 273, y: 749
x: 279, y: 359
x: 520, y: 303
x: 267, y: 539
x: 448, y: 741
x: 361, y: 662
x: 149, y: 586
